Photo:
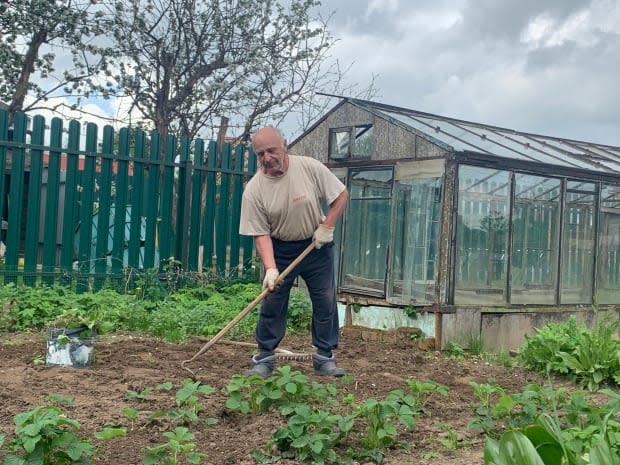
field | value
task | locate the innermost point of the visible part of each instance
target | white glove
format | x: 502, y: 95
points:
x: 323, y: 235
x: 271, y: 276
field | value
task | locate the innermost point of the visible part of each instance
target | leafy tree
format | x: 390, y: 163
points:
x: 33, y: 31
x: 186, y: 62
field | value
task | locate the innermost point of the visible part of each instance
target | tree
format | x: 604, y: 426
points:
x: 32, y: 32
x: 186, y: 63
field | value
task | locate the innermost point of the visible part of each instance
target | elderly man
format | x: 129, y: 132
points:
x: 281, y: 209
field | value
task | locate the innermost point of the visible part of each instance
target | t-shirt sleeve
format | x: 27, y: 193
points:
x: 253, y: 221
x: 331, y: 186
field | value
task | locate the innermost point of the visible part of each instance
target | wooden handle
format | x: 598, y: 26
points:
x: 242, y: 314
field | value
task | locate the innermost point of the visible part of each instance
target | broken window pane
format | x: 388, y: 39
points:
x: 363, y: 141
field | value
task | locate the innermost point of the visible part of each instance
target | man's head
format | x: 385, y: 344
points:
x: 271, y: 149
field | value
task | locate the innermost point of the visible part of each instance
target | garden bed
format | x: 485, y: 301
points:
x: 129, y: 363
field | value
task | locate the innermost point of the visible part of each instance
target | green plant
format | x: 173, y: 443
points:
x: 589, y: 356
x: 177, y: 450
x: 451, y: 439
x: 312, y: 435
x: 545, y: 443
x: 475, y: 343
x: 381, y: 418
x: 60, y: 400
x: 486, y: 393
x: 411, y: 312
x: 284, y: 389
x: 455, y: 350
x: 45, y: 436
x: 110, y: 432
x: 188, y: 401
x: 141, y: 395
x: 423, y: 390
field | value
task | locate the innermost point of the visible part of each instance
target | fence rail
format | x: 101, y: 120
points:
x: 89, y: 205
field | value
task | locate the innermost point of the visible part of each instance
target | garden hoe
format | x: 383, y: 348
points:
x: 285, y: 354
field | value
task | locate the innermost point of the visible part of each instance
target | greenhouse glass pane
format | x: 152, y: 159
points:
x: 608, y: 282
x: 481, y: 235
x: 535, y: 238
x: 578, y: 244
x: 367, y: 230
x: 415, y: 240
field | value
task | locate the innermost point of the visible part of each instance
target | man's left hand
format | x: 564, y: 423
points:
x: 323, y: 235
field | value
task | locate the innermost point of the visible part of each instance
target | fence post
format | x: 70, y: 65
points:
x: 16, y: 196
x: 52, y: 193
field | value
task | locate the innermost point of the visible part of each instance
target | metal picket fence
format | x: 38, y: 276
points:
x: 80, y: 205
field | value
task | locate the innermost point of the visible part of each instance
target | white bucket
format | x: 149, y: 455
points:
x: 69, y: 347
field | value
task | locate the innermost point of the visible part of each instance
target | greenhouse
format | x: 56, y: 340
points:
x: 483, y: 231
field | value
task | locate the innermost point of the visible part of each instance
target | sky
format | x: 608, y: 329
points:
x: 549, y: 67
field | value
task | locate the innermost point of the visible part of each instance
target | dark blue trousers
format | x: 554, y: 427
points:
x: 317, y: 270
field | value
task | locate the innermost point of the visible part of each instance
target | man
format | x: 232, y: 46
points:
x: 281, y: 209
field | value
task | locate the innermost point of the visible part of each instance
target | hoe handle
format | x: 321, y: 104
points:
x: 243, y: 313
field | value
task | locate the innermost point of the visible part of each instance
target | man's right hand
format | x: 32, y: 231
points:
x: 271, y: 276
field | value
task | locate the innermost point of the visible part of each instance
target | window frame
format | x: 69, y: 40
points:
x: 352, y: 137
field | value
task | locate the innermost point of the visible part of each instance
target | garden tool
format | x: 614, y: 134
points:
x: 243, y: 313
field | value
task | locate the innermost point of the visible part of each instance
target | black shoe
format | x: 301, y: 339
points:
x: 326, y: 366
x: 262, y: 367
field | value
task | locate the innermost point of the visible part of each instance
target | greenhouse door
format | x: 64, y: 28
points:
x: 367, y: 231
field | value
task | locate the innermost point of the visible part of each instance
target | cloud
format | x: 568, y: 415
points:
x: 545, y: 66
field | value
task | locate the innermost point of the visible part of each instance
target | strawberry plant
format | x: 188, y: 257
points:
x: 311, y: 435
x: 45, y: 436
x: 177, y: 450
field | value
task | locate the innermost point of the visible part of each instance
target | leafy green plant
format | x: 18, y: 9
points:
x: 588, y: 356
x: 423, y: 390
x: 486, y: 394
x: 284, y: 389
x: 188, y: 400
x: 545, y: 443
x: 455, y: 350
x: 177, y: 450
x: 44, y: 435
x: 311, y: 435
x: 382, y: 418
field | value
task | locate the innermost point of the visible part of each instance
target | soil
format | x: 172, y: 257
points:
x: 378, y: 362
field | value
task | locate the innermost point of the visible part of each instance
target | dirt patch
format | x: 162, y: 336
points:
x: 126, y: 362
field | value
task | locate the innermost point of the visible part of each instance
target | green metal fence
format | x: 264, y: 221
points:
x: 80, y: 205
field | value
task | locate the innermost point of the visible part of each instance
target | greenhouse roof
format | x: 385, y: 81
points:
x: 466, y: 136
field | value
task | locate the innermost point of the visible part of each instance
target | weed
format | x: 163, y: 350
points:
x: 475, y: 343
x: 60, y: 400
x: 455, y: 350
x: 141, y: 395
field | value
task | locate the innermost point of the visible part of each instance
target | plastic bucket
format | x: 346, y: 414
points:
x: 70, y: 347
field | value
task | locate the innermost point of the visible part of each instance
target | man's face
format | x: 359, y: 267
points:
x: 271, y: 151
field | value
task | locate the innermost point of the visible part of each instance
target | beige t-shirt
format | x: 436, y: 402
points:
x: 288, y: 207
